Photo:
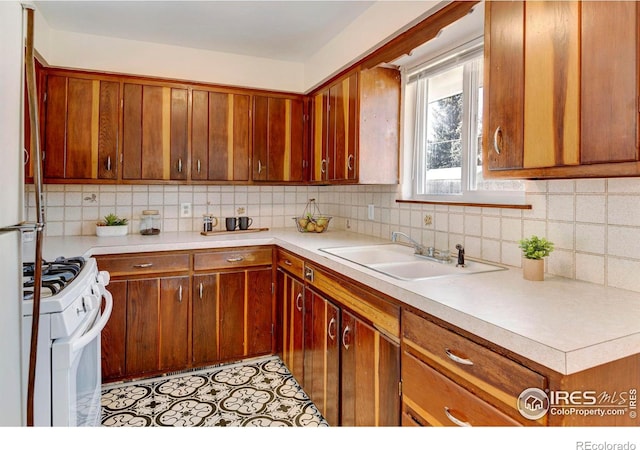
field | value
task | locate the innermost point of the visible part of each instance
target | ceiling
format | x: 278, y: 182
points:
x: 282, y: 30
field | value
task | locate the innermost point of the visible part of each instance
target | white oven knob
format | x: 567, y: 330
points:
x: 103, y: 277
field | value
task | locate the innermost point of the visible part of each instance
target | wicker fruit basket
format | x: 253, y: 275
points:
x: 312, y: 220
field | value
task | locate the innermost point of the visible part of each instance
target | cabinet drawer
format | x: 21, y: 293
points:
x: 383, y: 315
x: 226, y: 259
x: 291, y: 263
x: 143, y: 263
x: 491, y: 372
x: 440, y: 401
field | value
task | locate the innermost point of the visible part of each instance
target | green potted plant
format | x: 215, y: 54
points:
x: 534, y: 250
x: 112, y: 225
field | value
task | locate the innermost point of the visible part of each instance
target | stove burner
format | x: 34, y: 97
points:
x: 55, y: 275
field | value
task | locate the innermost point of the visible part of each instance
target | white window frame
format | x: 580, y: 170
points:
x: 414, y: 143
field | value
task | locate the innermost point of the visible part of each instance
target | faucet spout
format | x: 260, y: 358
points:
x: 419, y: 248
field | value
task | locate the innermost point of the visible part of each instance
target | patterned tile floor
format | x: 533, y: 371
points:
x: 257, y: 393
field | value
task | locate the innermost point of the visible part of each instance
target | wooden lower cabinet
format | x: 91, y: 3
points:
x: 157, y: 312
x: 351, y: 370
x: 290, y: 311
x: 174, y: 319
x: 370, y: 375
x: 322, y: 355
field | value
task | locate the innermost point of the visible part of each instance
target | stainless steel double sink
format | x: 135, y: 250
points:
x: 400, y: 262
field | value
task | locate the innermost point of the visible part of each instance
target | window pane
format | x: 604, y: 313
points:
x: 444, y: 133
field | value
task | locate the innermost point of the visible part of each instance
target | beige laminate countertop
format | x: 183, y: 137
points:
x: 563, y: 324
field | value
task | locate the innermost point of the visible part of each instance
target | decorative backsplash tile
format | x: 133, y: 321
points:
x: 595, y: 223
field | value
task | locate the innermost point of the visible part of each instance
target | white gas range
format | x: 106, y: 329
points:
x: 68, y: 372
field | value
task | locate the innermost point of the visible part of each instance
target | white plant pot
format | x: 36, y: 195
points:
x: 115, y: 230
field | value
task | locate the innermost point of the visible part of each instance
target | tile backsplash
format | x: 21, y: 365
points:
x: 594, y: 223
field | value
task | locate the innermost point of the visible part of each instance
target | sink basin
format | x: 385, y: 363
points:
x: 399, y: 261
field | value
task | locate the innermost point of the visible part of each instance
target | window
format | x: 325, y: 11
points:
x: 443, y: 132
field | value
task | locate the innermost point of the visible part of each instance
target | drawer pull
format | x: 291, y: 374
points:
x: 453, y: 357
x: 298, y: 301
x: 235, y: 259
x: 332, y: 323
x: 454, y: 419
x: 288, y: 263
x: 143, y: 265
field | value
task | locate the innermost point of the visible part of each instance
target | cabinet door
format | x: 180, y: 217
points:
x: 231, y: 299
x: 220, y: 136
x: 609, y: 84
x: 370, y: 365
x: 205, y: 318
x: 343, y: 127
x: 259, y: 312
x: 504, y: 85
x: 322, y: 356
x: 114, y: 334
x: 143, y: 297
x: 278, y: 139
x: 174, y: 317
x: 321, y: 156
x: 291, y: 329
x: 81, y: 129
x: 154, y: 143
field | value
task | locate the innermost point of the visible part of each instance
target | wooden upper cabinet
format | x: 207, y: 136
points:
x: 220, y: 136
x: 610, y: 82
x: 356, y: 128
x: 81, y: 128
x: 155, y: 133
x: 278, y: 139
x: 561, y: 89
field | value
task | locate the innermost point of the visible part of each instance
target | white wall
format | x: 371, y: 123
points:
x: 376, y: 25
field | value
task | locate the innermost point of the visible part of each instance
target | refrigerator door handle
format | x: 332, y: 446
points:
x: 23, y: 226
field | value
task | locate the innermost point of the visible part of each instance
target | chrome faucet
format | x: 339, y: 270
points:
x: 419, y: 248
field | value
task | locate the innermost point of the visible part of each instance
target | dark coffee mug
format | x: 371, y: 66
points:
x: 245, y: 222
x: 231, y: 223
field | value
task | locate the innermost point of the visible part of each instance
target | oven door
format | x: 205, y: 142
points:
x: 76, y: 373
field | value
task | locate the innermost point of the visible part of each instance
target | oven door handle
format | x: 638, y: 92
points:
x: 97, y: 327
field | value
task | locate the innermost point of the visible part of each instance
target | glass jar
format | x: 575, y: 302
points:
x: 150, y: 222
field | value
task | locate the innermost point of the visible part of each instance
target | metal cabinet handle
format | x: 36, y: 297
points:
x: 323, y: 166
x: 308, y: 274
x: 201, y: 289
x: 259, y: 167
x: 180, y: 165
x: 26, y: 156
x: 235, y: 259
x: 453, y: 357
x: 350, y: 162
x: 454, y: 419
x: 198, y: 166
x: 298, y: 301
x: 180, y: 294
x: 108, y: 163
x: 288, y: 263
x: 344, y: 337
x: 496, y: 144
x: 143, y: 265
x: 332, y: 322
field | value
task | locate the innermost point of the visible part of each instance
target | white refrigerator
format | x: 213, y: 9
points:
x: 12, y: 412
